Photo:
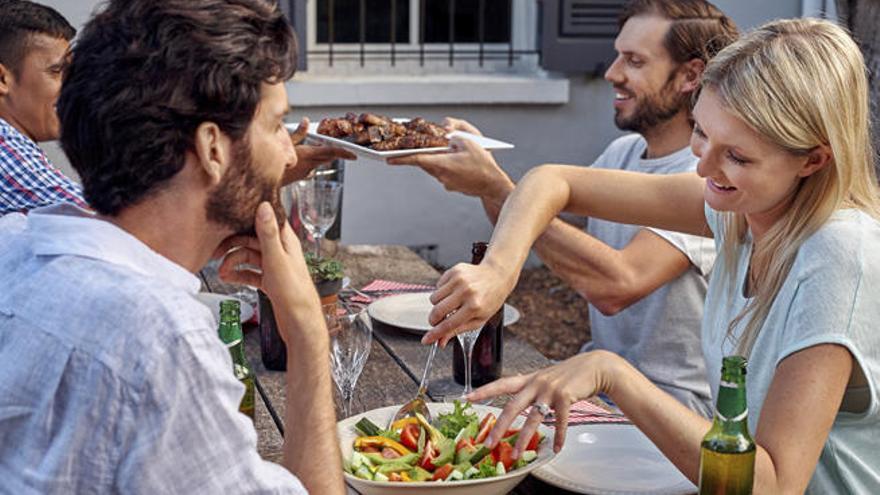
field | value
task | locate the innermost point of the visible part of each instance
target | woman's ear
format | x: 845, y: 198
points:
x: 212, y: 150
x: 691, y: 73
x: 818, y: 158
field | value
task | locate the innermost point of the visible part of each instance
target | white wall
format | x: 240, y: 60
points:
x: 385, y: 204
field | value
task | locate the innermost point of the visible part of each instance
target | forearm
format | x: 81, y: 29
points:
x: 525, y: 214
x: 311, y: 447
x: 673, y: 428
x: 592, y: 268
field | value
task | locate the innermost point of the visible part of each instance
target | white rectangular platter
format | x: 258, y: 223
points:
x: 313, y: 136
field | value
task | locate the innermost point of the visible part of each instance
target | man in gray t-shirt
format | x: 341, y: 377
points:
x: 660, y: 332
x: 645, y: 287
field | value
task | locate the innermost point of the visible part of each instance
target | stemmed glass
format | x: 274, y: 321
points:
x: 317, y: 206
x: 467, y: 340
x: 350, y: 336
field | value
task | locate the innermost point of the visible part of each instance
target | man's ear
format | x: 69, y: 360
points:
x: 5, y: 79
x: 690, y: 75
x: 212, y: 150
x: 817, y: 159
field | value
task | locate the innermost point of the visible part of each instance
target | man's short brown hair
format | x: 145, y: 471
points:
x: 20, y: 20
x: 699, y: 29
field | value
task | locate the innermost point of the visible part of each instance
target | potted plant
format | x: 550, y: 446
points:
x: 326, y: 274
x: 327, y: 277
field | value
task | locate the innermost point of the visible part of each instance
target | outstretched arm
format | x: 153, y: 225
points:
x: 673, y: 202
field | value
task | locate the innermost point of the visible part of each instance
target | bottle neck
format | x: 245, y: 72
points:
x: 732, y: 406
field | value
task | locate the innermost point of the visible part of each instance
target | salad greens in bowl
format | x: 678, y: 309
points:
x: 417, y: 457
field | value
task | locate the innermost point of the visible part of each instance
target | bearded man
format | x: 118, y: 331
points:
x: 112, y: 377
x: 645, y: 287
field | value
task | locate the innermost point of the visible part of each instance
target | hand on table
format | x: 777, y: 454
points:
x: 308, y: 156
x: 468, y: 169
x: 466, y: 297
x: 558, y: 386
x: 276, y: 253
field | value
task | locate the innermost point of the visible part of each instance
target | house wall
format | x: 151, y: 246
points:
x: 401, y: 205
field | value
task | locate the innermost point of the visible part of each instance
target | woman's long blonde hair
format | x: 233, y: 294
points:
x: 800, y: 83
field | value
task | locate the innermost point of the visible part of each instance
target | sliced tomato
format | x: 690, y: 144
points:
x: 510, y: 432
x: 485, y: 427
x: 533, y: 442
x: 389, y: 453
x: 503, y: 453
x: 409, y: 437
x: 464, y: 442
x: 427, y: 461
x: 442, y: 472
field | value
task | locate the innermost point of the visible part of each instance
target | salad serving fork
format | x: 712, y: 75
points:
x: 417, y: 404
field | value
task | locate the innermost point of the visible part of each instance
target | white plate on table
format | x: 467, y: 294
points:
x: 410, y: 311
x: 212, y: 301
x: 613, y: 459
x: 485, y: 142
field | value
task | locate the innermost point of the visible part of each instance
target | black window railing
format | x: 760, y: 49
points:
x: 447, y: 30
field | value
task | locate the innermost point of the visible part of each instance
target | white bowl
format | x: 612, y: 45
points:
x: 487, y: 486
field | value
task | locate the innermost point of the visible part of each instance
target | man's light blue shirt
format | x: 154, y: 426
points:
x: 112, y: 377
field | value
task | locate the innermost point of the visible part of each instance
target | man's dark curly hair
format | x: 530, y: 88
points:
x: 146, y: 73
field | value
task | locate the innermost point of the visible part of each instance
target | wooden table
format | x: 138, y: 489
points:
x: 396, y: 359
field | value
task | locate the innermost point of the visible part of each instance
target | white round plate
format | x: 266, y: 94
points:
x: 613, y: 459
x: 212, y: 301
x: 410, y: 311
x: 488, y: 486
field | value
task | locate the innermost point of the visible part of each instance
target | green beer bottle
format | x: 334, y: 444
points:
x: 232, y: 336
x: 727, y: 453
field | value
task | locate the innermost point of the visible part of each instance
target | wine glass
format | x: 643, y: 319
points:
x: 351, y: 334
x: 317, y: 206
x: 467, y: 339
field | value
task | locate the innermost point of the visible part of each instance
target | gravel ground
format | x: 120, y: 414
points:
x: 554, y: 317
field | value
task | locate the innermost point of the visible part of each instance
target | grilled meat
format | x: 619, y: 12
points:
x: 383, y: 134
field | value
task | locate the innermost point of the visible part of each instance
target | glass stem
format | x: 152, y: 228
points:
x: 318, y: 246
x: 468, y: 355
x: 346, y: 402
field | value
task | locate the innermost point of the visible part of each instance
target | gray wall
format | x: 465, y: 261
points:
x: 396, y: 205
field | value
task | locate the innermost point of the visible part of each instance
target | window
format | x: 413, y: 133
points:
x: 420, y: 35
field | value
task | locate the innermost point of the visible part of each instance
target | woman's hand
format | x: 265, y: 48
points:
x: 466, y: 297
x: 558, y: 386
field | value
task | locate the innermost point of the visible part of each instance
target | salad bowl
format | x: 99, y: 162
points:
x: 499, y: 484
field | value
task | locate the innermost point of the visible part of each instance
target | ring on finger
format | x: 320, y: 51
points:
x: 542, y: 408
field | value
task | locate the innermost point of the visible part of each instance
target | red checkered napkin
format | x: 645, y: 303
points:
x: 586, y: 412
x: 383, y: 288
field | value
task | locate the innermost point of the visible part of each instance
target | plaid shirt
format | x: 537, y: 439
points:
x: 27, y: 178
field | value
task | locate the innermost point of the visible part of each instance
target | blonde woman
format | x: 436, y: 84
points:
x: 787, y: 189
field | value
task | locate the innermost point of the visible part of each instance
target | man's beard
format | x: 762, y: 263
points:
x: 233, y: 202
x: 654, y: 109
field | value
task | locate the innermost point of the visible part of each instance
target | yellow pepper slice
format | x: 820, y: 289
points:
x: 362, y: 442
x: 404, y: 476
x: 400, y: 423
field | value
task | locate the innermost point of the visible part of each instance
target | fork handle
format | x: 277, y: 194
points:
x: 423, y: 387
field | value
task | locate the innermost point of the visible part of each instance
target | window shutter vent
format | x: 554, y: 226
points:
x: 578, y: 35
